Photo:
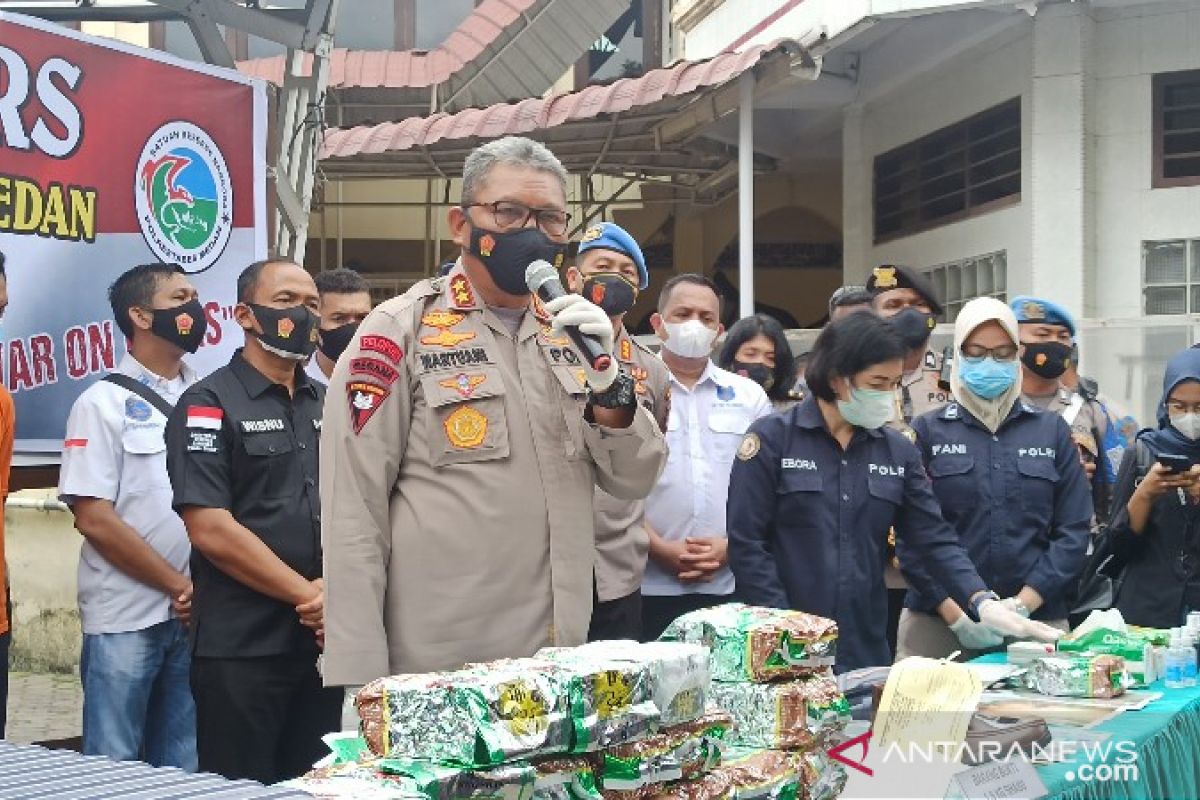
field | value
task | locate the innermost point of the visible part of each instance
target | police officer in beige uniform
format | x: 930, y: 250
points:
x: 905, y: 296
x: 462, y: 443
x: 610, y: 271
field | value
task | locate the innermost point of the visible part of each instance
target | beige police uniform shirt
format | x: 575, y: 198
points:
x: 622, y: 543
x: 1086, y: 418
x: 457, y: 477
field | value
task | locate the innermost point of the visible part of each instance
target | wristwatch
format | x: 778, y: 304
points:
x: 978, y: 599
x: 620, y: 394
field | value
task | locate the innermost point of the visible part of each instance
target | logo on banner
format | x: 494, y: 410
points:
x: 184, y: 196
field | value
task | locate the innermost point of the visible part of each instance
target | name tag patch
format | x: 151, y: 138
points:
x: 203, y: 442
x: 886, y: 469
x: 949, y: 449
x: 798, y: 463
x: 459, y: 358
x: 262, y: 425
x: 1035, y: 452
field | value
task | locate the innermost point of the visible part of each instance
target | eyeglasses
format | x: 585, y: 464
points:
x: 977, y: 352
x: 508, y: 214
x: 1178, y: 407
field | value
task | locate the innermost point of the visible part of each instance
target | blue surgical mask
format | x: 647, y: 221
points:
x: 868, y: 408
x: 987, y: 377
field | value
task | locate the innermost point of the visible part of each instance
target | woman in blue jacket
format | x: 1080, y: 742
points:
x: 815, y: 490
x: 1009, y: 479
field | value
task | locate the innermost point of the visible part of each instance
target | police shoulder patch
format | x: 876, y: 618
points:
x: 749, y: 447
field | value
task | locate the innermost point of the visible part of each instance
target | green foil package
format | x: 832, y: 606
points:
x: 761, y: 774
x: 821, y: 778
x: 1136, y: 649
x: 547, y: 779
x: 682, y: 752
x: 707, y: 787
x: 476, y: 717
x: 798, y: 714
x: 752, y: 643
x: 1075, y: 675
x: 678, y: 672
x: 609, y: 701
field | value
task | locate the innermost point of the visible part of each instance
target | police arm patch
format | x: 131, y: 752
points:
x: 749, y: 447
x: 364, y: 399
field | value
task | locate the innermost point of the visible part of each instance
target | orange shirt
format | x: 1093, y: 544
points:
x: 8, y: 427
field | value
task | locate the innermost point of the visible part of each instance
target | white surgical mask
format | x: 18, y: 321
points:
x: 868, y: 408
x: 1188, y: 425
x: 691, y: 339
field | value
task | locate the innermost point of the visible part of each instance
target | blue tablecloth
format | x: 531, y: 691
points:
x: 1166, y: 736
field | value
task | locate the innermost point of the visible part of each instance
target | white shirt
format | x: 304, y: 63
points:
x: 115, y: 451
x: 313, y: 370
x: 706, y: 426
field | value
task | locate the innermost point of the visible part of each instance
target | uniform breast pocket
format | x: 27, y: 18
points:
x: 726, y: 428
x: 465, y: 421
x: 271, y: 461
x: 886, y: 488
x: 953, y: 481
x: 574, y: 383
x: 798, y: 493
x: 1038, y: 478
x: 145, y: 454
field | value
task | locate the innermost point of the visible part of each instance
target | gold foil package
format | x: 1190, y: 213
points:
x: 752, y: 643
x: 1077, y: 675
x: 761, y: 774
x: 475, y: 717
x: 797, y: 714
x: 709, y: 787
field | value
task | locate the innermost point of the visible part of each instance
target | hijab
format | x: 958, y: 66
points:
x: 980, y: 311
x: 1184, y: 366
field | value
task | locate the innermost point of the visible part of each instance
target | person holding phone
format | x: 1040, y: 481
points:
x: 1155, y: 526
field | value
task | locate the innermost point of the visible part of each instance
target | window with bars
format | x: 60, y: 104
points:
x: 1177, y: 129
x: 957, y: 282
x: 957, y: 172
x: 1171, y: 276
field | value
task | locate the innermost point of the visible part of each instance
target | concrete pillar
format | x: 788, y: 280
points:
x: 1057, y: 177
x: 857, y: 194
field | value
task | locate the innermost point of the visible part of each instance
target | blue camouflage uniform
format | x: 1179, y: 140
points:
x: 808, y: 526
x: 1019, y: 500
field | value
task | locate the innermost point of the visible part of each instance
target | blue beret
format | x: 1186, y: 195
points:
x: 1033, y: 309
x: 610, y: 236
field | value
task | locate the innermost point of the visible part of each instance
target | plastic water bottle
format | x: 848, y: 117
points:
x: 1176, y: 663
x: 1189, y: 667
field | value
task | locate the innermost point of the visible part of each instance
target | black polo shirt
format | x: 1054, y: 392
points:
x: 238, y: 441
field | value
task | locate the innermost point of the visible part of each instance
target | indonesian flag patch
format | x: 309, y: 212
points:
x: 205, y: 417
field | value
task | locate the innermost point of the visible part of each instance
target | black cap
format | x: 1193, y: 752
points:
x: 886, y: 277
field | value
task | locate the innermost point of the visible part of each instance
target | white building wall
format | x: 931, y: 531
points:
x: 1130, y: 47
x: 960, y: 88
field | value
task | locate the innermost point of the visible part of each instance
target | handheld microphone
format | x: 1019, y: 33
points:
x: 542, y: 280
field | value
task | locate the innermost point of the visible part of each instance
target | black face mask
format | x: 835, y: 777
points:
x: 1047, y: 360
x: 334, y: 342
x: 287, y: 332
x: 507, y: 254
x: 183, y: 326
x: 761, y: 374
x: 611, y: 292
x: 914, y: 327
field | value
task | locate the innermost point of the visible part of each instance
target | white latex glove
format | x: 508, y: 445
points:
x: 975, y: 636
x: 1016, y: 606
x: 1000, y: 618
x: 349, y: 711
x: 589, y: 318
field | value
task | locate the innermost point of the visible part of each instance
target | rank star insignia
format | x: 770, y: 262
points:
x: 463, y: 383
x: 460, y: 290
x: 466, y: 428
x: 447, y: 339
x: 286, y: 326
x: 885, y: 277
x: 183, y: 324
x: 486, y: 245
x: 442, y: 319
x: 749, y: 447
x: 1033, y: 310
x: 626, y: 353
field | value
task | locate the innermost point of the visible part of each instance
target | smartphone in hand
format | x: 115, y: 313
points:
x: 1174, y: 464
